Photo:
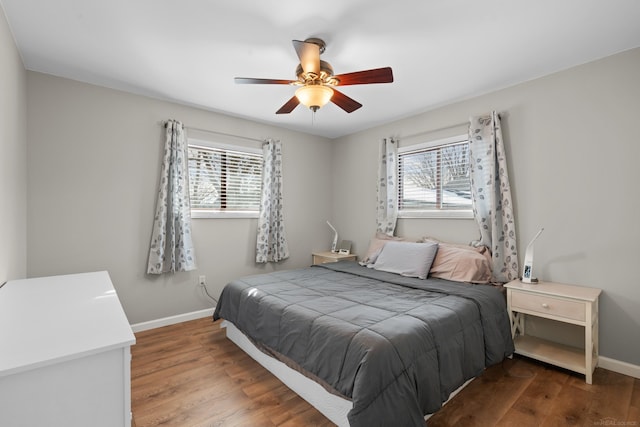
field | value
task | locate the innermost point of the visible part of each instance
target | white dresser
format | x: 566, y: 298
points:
x: 65, y: 357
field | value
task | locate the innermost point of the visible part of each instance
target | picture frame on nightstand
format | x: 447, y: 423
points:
x: 344, y: 248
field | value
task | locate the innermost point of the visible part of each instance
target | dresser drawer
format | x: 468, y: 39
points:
x: 545, y: 304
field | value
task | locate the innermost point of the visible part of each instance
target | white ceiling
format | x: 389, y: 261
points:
x: 441, y: 51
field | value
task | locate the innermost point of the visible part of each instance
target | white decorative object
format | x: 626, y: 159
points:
x: 65, y: 353
x: 335, y: 238
x: 527, y: 269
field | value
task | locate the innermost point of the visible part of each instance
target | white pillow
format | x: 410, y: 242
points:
x: 375, y: 246
x: 407, y: 258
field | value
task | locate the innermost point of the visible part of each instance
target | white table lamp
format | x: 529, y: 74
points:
x: 527, y: 270
x: 334, y: 245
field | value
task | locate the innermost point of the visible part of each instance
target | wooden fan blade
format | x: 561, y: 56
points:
x: 377, y: 75
x: 309, y: 55
x: 343, y: 101
x: 289, y: 106
x: 249, y: 80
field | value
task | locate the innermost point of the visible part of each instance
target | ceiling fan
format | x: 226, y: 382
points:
x: 317, y: 82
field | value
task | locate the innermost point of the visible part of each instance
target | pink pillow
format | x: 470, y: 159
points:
x: 461, y: 263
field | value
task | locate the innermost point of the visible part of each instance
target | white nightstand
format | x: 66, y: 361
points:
x: 328, y: 256
x: 577, y: 305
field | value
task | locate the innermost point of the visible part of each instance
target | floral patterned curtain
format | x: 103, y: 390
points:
x: 271, y: 245
x: 171, y: 246
x: 491, y: 195
x: 387, y: 197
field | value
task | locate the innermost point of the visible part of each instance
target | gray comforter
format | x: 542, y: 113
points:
x: 396, y: 346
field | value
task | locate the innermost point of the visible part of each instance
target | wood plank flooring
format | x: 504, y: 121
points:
x: 191, y: 375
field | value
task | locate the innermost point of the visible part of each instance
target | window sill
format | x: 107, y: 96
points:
x: 196, y: 214
x: 445, y: 214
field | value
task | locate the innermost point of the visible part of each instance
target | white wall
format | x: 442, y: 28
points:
x: 94, y: 153
x: 94, y: 159
x: 13, y: 158
x: 573, y: 154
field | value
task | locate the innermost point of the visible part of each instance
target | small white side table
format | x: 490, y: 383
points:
x: 328, y: 256
x: 577, y: 305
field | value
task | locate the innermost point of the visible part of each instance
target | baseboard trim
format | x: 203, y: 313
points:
x: 171, y: 320
x: 619, y: 367
x: 603, y: 362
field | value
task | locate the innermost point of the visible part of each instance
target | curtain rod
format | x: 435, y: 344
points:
x: 434, y: 130
x: 501, y: 115
x: 164, y: 123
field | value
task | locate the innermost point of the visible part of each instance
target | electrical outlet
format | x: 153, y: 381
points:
x: 202, y: 280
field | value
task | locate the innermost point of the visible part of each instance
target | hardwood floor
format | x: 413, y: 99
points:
x: 190, y: 375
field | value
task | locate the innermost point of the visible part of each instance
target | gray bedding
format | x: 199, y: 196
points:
x: 396, y: 346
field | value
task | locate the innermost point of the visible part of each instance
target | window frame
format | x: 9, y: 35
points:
x: 431, y: 213
x: 223, y: 213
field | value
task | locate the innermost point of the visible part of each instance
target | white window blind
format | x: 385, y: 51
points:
x: 434, y: 178
x: 224, y: 180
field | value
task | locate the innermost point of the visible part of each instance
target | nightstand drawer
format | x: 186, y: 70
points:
x: 548, y: 305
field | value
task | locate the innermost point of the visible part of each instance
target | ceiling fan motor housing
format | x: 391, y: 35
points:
x: 324, y: 77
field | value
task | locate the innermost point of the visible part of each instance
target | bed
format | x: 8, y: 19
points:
x: 393, y: 347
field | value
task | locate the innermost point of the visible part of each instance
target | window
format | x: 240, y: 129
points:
x: 434, y: 180
x: 224, y: 181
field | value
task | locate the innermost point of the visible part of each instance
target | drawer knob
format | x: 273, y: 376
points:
x: 545, y: 305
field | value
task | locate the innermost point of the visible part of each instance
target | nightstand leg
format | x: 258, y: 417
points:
x: 589, y: 337
x: 517, y: 323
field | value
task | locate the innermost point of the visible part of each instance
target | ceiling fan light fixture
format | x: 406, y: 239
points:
x: 314, y: 96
